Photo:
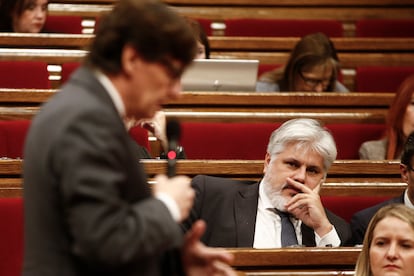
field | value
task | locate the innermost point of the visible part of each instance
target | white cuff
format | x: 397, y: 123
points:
x: 171, y: 205
x: 331, y: 239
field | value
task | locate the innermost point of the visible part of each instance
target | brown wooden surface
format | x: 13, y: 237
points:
x: 235, y: 107
x: 348, y: 60
x: 208, y: 115
x: 296, y: 261
x: 350, y: 171
x: 295, y: 257
x: 235, y: 100
x: 345, y: 178
x: 217, y: 43
x: 259, y: 2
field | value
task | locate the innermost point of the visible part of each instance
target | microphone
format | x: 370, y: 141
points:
x: 173, y: 136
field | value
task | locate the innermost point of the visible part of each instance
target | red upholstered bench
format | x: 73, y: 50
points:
x: 346, y: 206
x: 67, y: 69
x: 349, y: 137
x: 140, y: 135
x: 282, y: 27
x: 381, y: 78
x: 247, y: 141
x: 13, y: 135
x: 388, y: 27
x: 67, y: 24
x: 11, y: 236
x: 24, y: 74
x: 226, y: 140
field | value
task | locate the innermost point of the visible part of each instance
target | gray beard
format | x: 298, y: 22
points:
x: 275, y: 196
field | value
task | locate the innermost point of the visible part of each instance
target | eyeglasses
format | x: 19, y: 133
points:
x: 314, y: 82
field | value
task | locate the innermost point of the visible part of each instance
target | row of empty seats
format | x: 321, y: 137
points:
x: 35, y: 74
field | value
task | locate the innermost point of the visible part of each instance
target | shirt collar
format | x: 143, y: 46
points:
x: 263, y: 198
x: 112, y: 91
x: 407, y: 200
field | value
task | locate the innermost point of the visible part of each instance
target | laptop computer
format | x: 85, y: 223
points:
x: 221, y: 75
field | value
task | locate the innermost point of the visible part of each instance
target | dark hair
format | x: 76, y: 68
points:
x: 408, y: 150
x: 200, y: 34
x: 156, y: 32
x: 395, y: 118
x: 9, y: 8
x: 311, y: 50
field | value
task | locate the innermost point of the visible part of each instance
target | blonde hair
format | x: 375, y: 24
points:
x: 396, y: 210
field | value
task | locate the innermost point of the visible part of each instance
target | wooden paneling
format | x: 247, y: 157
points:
x: 345, y: 178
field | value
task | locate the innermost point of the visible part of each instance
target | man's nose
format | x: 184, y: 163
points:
x: 300, y: 174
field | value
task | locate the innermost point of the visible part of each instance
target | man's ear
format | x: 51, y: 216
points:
x: 130, y: 59
x: 404, y: 172
x: 266, y: 162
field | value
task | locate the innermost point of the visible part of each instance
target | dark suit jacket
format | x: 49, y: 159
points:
x: 88, y: 208
x: 361, y: 219
x: 230, y: 206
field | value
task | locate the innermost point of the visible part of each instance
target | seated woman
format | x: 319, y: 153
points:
x: 313, y: 66
x: 23, y: 16
x: 388, y: 247
x: 203, y: 46
x: 400, y: 123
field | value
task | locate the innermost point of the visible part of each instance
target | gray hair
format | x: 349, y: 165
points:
x: 307, y: 134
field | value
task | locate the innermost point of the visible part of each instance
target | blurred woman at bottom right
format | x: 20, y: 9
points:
x: 388, y: 247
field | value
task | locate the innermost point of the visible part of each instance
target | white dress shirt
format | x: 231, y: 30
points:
x: 268, y: 228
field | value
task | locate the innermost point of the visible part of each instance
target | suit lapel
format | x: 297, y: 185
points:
x: 308, y: 235
x: 245, y: 209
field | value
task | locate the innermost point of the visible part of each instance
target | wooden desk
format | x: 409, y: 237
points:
x: 296, y: 261
x: 345, y: 178
x: 233, y: 106
x: 341, y: 171
x: 348, y: 60
x: 217, y: 43
x: 259, y: 2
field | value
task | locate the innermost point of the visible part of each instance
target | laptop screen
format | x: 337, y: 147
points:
x: 221, y: 75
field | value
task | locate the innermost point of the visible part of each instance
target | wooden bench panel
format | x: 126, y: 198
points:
x: 348, y: 60
x: 355, y: 184
x: 234, y: 107
x: 258, y: 2
x: 296, y: 261
x: 217, y: 43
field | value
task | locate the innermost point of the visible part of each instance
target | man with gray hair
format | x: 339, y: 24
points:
x: 284, y: 208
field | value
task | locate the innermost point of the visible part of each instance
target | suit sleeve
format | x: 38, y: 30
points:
x: 107, y: 229
x: 358, y: 229
x: 198, y: 184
